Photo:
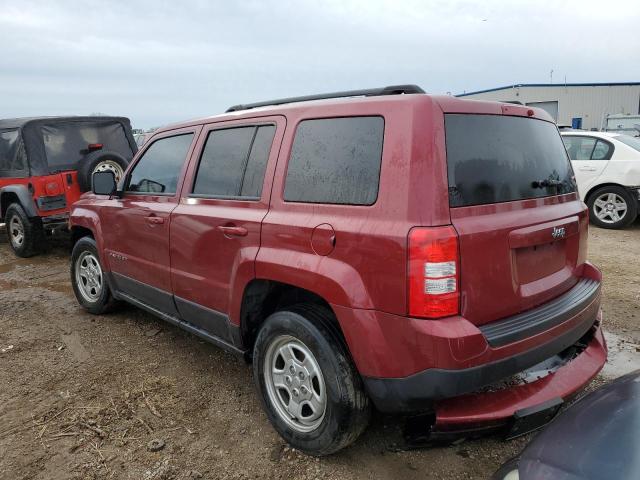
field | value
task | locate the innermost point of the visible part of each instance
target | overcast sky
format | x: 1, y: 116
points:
x: 159, y: 62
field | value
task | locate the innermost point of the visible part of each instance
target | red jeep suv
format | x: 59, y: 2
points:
x: 46, y: 163
x: 422, y: 254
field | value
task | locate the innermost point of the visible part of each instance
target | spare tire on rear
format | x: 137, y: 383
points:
x: 100, y: 161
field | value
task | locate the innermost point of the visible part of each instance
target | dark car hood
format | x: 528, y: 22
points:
x: 596, y: 438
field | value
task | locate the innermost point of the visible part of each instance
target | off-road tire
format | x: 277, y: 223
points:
x: 33, y: 239
x: 105, y: 303
x: 89, y: 163
x: 347, y: 408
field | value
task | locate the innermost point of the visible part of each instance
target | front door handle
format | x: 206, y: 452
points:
x: 232, y: 230
x: 153, y: 220
x: 588, y: 169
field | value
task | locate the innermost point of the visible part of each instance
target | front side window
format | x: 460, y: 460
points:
x: 158, y: 170
x: 234, y: 161
x: 336, y: 160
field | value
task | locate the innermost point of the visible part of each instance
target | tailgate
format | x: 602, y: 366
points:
x: 515, y: 256
x: 522, y: 229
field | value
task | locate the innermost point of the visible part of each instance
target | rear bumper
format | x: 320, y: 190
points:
x: 411, y: 366
x: 479, y: 411
x: 60, y: 220
x: 421, y: 391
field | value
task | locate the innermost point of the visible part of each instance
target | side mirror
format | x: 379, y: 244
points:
x: 104, y: 183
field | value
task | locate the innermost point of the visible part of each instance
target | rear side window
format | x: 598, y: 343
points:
x: 579, y: 148
x: 158, y: 170
x: 496, y: 158
x: 257, y: 162
x: 336, y: 160
x: 11, y: 153
x: 234, y: 161
x: 587, y: 148
x: 602, y: 151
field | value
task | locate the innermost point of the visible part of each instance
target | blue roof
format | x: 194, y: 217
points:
x: 615, y: 84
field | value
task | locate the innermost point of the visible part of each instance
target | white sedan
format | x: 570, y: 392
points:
x: 607, y: 169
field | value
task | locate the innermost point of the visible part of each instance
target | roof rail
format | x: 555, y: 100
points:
x: 371, y: 92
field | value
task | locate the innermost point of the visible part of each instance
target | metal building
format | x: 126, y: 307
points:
x: 580, y: 105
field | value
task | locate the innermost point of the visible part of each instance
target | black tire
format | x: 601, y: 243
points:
x: 104, y: 302
x: 32, y: 240
x: 91, y: 161
x: 629, y: 216
x: 347, y: 406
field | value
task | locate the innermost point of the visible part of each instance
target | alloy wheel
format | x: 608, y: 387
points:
x: 295, y: 385
x: 610, y: 208
x: 89, y: 276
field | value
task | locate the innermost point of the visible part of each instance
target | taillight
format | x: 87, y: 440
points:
x: 434, y: 272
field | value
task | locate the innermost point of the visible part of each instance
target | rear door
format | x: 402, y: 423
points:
x: 136, y: 226
x: 513, y: 202
x: 589, y: 156
x: 215, y: 231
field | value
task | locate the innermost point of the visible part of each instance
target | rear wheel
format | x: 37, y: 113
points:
x: 88, y: 278
x: 26, y: 235
x: 612, y: 207
x: 310, y: 389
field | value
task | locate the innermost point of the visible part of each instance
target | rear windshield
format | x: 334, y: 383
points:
x: 67, y: 143
x: 498, y: 158
x: 633, y: 142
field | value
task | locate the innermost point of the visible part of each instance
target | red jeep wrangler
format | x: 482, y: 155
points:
x: 423, y: 254
x: 46, y: 163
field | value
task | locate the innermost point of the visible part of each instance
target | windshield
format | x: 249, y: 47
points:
x: 66, y: 144
x: 499, y: 158
x: 632, y: 142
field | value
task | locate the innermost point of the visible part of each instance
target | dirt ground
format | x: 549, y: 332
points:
x: 83, y: 396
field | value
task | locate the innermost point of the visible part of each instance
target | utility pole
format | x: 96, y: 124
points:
x: 551, y: 75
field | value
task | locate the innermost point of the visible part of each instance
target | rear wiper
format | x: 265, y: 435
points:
x: 546, y: 183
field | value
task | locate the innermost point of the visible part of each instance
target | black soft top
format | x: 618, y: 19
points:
x: 31, y: 145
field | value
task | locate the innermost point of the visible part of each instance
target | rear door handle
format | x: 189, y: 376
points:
x: 153, y: 220
x: 232, y: 230
x: 588, y: 169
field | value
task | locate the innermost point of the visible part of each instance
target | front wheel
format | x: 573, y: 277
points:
x: 310, y: 388
x: 26, y: 235
x: 88, y: 278
x: 612, y: 207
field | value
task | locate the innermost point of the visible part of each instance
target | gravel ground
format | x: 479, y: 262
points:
x: 127, y: 396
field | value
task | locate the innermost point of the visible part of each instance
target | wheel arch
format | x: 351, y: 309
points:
x: 78, y: 232
x: 595, y: 188
x: 262, y: 297
x: 85, y: 222
x: 20, y: 194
